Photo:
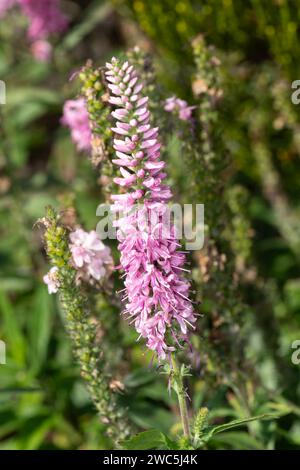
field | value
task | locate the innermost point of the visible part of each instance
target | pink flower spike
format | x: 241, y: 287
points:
x: 156, y: 291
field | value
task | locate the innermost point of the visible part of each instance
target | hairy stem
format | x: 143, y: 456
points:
x: 181, y: 394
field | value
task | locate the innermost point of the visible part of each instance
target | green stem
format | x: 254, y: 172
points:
x: 181, y: 394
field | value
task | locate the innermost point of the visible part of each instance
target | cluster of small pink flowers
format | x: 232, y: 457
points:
x: 91, y: 258
x: 179, y: 107
x: 89, y: 254
x: 156, y: 291
x: 76, y: 117
x: 51, y: 280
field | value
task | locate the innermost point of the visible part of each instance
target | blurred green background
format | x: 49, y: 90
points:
x: 43, y: 402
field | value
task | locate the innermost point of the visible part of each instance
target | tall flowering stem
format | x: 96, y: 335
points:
x: 156, y: 290
x: 82, y: 329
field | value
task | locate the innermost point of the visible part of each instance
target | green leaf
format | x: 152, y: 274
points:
x: 18, y: 97
x: 15, y: 284
x: 284, y: 407
x: 235, y: 423
x: 169, y: 444
x: 145, y: 415
x: 146, y: 440
x: 237, y: 440
x: 26, y: 114
x: 139, y: 378
x: 12, y: 331
x: 40, y: 328
x: 95, y: 14
x: 35, y: 430
x: 37, y: 203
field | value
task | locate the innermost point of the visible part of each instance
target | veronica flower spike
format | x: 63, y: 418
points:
x: 156, y: 291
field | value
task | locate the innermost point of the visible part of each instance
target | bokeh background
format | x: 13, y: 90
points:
x: 43, y: 402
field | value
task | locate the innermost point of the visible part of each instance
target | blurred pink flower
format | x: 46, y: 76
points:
x: 180, y: 107
x: 75, y: 116
x: 45, y: 17
x: 50, y: 279
x: 41, y: 50
x: 6, y: 5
